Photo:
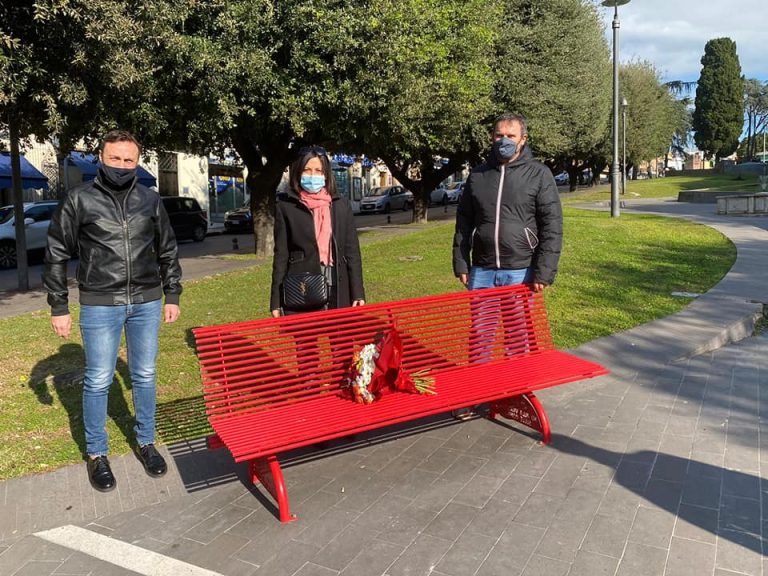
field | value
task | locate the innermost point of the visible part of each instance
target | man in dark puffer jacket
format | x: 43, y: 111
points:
x: 509, y: 223
x: 128, y: 261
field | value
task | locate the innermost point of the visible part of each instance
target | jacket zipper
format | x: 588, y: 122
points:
x: 498, y: 216
x: 127, y: 243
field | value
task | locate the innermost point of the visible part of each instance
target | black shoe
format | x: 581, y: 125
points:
x: 153, y: 462
x: 100, y: 474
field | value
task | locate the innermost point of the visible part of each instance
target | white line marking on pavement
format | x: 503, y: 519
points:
x: 121, y: 553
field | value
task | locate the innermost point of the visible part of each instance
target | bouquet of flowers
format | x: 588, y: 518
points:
x: 376, y: 369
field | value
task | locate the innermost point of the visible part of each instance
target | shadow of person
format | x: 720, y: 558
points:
x: 62, y: 374
x: 723, y: 502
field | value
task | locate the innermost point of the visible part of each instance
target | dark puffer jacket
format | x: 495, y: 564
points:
x: 296, y: 248
x: 127, y: 252
x: 509, y: 217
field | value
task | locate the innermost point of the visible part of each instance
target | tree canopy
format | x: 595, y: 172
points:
x: 718, y: 118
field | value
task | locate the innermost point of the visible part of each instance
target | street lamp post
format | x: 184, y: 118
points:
x: 615, y: 163
x: 624, y: 105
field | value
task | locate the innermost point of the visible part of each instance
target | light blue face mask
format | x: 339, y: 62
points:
x: 312, y: 184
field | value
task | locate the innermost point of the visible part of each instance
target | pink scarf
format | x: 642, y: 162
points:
x: 320, y: 206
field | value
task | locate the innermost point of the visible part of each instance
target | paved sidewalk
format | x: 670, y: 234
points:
x: 656, y: 469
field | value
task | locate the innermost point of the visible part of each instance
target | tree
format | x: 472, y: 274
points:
x: 60, y: 64
x: 718, y: 118
x: 558, y: 75
x: 654, y: 116
x: 756, y: 111
x: 429, y: 87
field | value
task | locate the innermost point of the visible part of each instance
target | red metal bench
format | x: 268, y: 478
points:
x: 273, y: 385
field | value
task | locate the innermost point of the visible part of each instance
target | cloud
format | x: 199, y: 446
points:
x: 672, y: 35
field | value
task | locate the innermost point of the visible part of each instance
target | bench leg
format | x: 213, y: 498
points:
x: 525, y: 409
x: 267, y: 471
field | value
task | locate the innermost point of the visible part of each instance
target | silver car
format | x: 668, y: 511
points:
x: 37, y: 217
x: 385, y: 199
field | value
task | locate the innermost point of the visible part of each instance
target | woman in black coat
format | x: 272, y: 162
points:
x: 315, y: 232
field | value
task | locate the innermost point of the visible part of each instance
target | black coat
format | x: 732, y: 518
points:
x: 512, y: 223
x: 296, y: 248
x: 127, y: 250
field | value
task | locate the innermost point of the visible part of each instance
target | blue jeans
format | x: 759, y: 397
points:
x: 486, y: 312
x: 492, y: 278
x: 101, y: 328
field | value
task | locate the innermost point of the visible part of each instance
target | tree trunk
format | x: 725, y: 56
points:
x: 266, y: 164
x: 18, y: 206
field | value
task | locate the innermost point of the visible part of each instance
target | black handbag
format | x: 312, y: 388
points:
x: 305, y: 291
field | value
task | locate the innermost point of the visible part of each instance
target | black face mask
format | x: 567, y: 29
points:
x: 117, y: 178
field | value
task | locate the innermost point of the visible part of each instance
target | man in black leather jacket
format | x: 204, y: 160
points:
x: 128, y: 261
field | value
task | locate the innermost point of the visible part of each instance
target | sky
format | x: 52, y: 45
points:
x: 672, y: 34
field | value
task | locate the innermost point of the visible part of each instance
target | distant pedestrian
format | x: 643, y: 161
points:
x: 509, y: 223
x: 128, y: 261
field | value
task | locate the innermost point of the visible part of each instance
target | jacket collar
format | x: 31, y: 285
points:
x: 525, y: 156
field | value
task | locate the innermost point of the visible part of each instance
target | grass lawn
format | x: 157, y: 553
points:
x: 614, y: 274
x: 667, y: 187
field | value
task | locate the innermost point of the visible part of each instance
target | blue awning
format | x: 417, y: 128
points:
x: 223, y: 182
x: 88, y: 164
x: 31, y: 177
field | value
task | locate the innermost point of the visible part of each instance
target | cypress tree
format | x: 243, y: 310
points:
x: 719, y: 115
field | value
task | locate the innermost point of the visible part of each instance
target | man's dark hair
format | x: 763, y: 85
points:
x: 118, y: 136
x: 305, y: 155
x: 510, y: 117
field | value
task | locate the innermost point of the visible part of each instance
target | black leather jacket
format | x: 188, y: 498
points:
x: 127, y: 252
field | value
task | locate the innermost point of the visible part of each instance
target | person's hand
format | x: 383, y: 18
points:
x: 171, y: 313
x: 276, y: 313
x: 62, y: 325
x: 464, y: 279
x: 358, y: 302
x: 539, y: 286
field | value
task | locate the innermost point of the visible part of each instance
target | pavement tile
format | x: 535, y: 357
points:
x: 421, y: 557
x: 347, y: 544
x: 466, y: 554
x: 591, y: 564
x: 289, y: 559
x: 737, y: 483
x: 607, y: 535
x: 740, y: 552
x: 310, y: 569
x: 542, y: 566
x: 696, y: 523
x: 633, y: 475
x: 373, y: 560
x: 663, y: 494
x: 407, y: 525
x: 218, y: 552
x: 440, y: 460
x: 492, y: 520
x: 478, y: 491
x: 569, y: 527
x: 561, y: 474
x: 464, y: 468
x: 536, y: 462
x: 741, y: 514
x: 702, y: 491
x: 512, y: 551
x: 414, y: 484
x: 619, y: 501
x: 423, y: 448
x: 321, y: 531
x: 438, y: 494
x: 643, y: 560
x: 207, y: 530
x: 688, y: 557
x: 652, y: 527
x: 451, y: 521
x: 381, y: 513
x: 516, y: 488
x: 539, y: 510
x: 37, y: 568
x: 500, y: 465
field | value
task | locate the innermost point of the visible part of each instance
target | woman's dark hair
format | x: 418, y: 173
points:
x: 305, y: 155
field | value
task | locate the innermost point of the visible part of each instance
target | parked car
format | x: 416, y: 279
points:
x: 188, y: 220
x: 385, y: 199
x: 37, y: 217
x: 448, y: 194
x: 562, y: 178
x: 239, y: 219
